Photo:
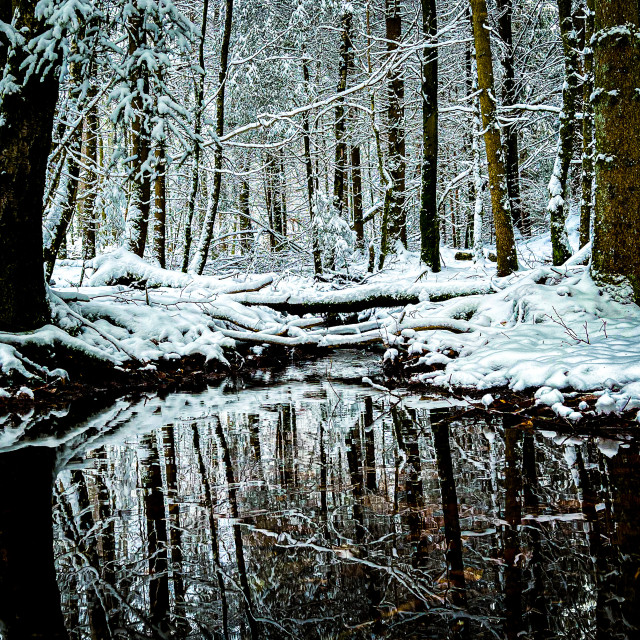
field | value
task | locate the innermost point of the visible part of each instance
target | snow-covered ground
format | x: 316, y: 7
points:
x: 548, y: 330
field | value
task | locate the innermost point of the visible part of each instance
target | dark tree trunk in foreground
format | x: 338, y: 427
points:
x: 140, y: 177
x: 617, y: 123
x: 206, y: 235
x: 90, y: 179
x: 518, y: 213
x: 429, y: 221
x: 160, y: 205
x: 394, y: 218
x: 505, y: 245
x: 26, y: 118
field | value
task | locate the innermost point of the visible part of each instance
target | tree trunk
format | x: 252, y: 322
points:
x: 160, y: 205
x: 394, y: 220
x: 505, y: 245
x: 197, y: 131
x: 586, y: 204
x: 346, y: 52
x: 358, y: 216
x: 617, y: 125
x: 246, y: 239
x: 200, y: 259
x: 429, y: 221
x: 306, y: 128
x: 509, y: 130
x: 90, y: 179
x: 26, y: 124
x: 558, y: 188
x: 140, y: 203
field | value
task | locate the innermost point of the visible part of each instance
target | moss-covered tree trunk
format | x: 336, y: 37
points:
x: 200, y: 258
x: 394, y: 217
x: 429, y: 220
x: 586, y: 179
x: 509, y: 130
x: 505, y: 245
x: 616, y: 57
x: 26, y: 125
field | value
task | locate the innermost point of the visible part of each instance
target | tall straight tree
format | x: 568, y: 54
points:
x: 197, y: 132
x: 558, y: 186
x: 509, y: 130
x: 586, y: 203
x: 394, y: 226
x: 505, y: 244
x: 429, y: 222
x: 26, y: 125
x: 616, y: 58
x: 200, y: 259
x: 346, y: 52
x: 140, y: 176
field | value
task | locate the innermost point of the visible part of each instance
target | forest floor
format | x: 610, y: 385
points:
x: 545, y: 338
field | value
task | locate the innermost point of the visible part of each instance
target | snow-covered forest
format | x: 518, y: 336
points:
x: 457, y: 181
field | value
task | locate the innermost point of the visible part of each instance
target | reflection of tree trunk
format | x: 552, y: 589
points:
x: 237, y: 533
x: 151, y: 478
x: 354, y: 461
x: 537, y: 609
x: 369, y: 447
x: 29, y: 596
x: 622, y: 605
x: 440, y: 429
x: 174, y: 540
x: 213, y: 527
x: 323, y: 473
x: 513, y: 515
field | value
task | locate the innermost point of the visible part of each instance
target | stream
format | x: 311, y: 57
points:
x: 304, y: 504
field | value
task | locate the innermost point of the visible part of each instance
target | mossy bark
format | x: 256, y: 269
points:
x: 617, y: 128
x: 505, y: 245
x: 586, y: 178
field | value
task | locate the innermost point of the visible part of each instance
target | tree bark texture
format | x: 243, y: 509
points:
x: 617, y: 128
x: 26, y: 118
x: 505, y: 244
x: 586, y: 179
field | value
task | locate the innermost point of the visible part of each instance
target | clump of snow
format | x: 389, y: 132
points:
x: 487, y: 400
x: 548, y: 396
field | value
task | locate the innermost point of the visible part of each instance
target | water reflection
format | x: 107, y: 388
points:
x: 317, y: 511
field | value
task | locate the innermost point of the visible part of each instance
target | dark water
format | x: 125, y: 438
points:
x: 315, y: 510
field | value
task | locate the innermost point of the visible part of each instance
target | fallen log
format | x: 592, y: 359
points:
x: 354, y: 299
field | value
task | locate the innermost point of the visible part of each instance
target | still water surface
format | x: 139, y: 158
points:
x: 316, y: 507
